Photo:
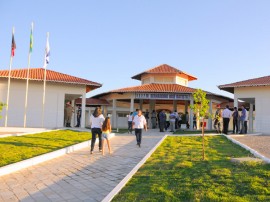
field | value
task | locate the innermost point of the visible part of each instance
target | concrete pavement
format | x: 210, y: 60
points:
x: 78, y: 176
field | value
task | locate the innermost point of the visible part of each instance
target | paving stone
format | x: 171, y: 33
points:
x: 77, y: 176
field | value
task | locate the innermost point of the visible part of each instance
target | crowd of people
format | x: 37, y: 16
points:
x: 238, y: 119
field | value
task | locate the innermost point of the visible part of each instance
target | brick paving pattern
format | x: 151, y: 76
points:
x: 78, y: 176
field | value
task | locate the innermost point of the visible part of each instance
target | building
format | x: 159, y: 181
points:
x: 256, y: 93
x: 59, y: 89
x: 162, y: 87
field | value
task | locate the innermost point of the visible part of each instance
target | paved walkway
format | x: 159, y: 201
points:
x: 78, y: 176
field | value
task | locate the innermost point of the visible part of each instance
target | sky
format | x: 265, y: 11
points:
x: 108, y: 42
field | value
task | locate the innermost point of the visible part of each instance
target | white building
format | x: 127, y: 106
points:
x: 162, y: 88
x: 59, y: 89
x: 256, y: 92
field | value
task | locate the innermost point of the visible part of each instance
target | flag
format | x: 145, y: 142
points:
x: 31, y: 39
x: 13, y: 45
x: 47, y: 51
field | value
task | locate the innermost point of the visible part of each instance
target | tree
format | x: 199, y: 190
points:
x: 1, y: 108
x: 201, y: 107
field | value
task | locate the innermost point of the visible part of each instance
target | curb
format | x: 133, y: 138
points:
x: 28, y: 133
x: 253, y: 151
x: 45, y: 157
x: 118, y: 188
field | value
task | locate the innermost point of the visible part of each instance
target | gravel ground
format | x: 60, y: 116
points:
x: 259, y: 143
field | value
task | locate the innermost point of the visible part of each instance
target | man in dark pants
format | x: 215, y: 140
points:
x: 226, y: 115
x: 235, y: 120
x: 79, y: 114
x: 162, y: 121
x: 139, y: 122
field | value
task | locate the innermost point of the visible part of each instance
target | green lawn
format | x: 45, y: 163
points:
x: 175, y: 172
x: 15, y: 149
x: 193, y: 131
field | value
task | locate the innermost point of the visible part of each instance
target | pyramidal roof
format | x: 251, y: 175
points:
x: 37, y: 74
x: 164, y: 69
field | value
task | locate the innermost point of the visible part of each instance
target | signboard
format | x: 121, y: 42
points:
x: 162, y: 96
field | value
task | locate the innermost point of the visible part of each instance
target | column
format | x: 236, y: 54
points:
x: 73, y: 119
x: 132, y: 104
x: 186, y: 105
x: 141, y: 104
x: 210, y: 115
x: 114, y: 121
x: 105, y: 110
x: 174, y: 105
x: 83, y: 110
x: 190, y: 112
x: 250, y: 118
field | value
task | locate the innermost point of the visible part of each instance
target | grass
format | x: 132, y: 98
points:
x: 175, y: 172
x: 15, y: 149
x: 181, y: 131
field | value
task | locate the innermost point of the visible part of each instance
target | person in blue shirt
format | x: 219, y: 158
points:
x: 243, y: 118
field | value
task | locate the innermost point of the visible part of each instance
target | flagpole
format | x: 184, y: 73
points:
x: 9, y: 75
x: 27, y: 80
x: 45, y: 77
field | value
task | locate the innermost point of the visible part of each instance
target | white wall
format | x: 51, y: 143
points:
x: 262, y: 100
x: 54, y: 103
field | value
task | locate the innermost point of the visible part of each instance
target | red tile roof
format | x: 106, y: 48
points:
x: 261, y: 81
x: 92, y: 101
x: 154, y: 87
x: 37, y: 74
x: 163, y: 69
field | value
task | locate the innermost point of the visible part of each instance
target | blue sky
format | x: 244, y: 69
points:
x: 110, y: 41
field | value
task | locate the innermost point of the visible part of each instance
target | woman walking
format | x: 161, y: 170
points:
x: 97, y: 120
x: 106, y: 130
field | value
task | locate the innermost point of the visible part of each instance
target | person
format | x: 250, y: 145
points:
x: 130, y: 117
x: 172, y: 121
x: 68, y: 114
x: 194, y: 121
x: 134, y: 113
x: 162, y: 121
x: 97, y: 120
x: 226, y: 115
x: 235, y: 116
x: 154, y: 119
x: 176, y: 119
x: 179, y: 120
x: 243, y: 119
x: 79, y: 114
x: 217, y: 120
x: 146, y: 115
x: 139, y: 122
x: 167, y: 125
x: 187, y: 120
x: 106, y: 130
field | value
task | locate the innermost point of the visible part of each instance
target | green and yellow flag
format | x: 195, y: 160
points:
x: 31, y: 39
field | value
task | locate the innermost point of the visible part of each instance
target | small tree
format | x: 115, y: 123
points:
x: 201, y: 106
x: 1, y: 108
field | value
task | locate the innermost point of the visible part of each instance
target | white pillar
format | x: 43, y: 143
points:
x: 114, y: 121
x: 210, y: 114
x: 83, y: 110
x: 73, y: 117
x: 235, y: 102
x: 250, y: 118
x: 132, y: 105
x: 190, y: 112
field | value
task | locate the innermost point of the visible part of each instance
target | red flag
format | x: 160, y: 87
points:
x: 13, y: 45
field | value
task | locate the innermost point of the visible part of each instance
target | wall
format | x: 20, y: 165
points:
x: 54, y: 103
x: 262, y: 100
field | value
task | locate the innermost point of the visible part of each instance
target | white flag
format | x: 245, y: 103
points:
x: 47, y: 52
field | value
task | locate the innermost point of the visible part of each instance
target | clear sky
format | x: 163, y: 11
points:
x: 110, y: 41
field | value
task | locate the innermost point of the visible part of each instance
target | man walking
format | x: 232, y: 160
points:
x: 226, y: 115
x: 139, y: 122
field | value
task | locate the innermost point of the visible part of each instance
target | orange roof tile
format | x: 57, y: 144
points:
x: 261, y: 81
x: 92, y: 101
x: 163, y: 69
x: 37, y: 74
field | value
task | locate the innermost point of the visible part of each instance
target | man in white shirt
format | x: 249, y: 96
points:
x: 226, y: 115
x: 139, y: 122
